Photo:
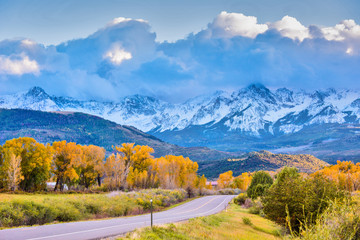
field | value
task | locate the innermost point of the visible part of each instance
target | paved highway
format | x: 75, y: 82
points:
x: 111, y: 227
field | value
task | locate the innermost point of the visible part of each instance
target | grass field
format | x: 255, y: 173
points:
x: 236, y: 223
x: 31, y: 209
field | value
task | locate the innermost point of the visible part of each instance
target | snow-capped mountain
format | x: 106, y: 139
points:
x: 253, y: 111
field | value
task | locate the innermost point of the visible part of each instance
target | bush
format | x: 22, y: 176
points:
x: 227, y: 191
x: 293, y: 201
x: 339, y: 221
x: 260, y: 182
x: 247, y: 221
x: 240, y: 199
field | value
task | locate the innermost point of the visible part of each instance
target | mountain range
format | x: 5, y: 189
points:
x: 325, y: 123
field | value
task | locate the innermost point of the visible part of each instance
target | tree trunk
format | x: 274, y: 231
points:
x: 99, y: 180
x: 56, y: 185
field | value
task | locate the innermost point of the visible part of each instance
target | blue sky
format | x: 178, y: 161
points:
x: 55, y: 21
x: 177, y: 49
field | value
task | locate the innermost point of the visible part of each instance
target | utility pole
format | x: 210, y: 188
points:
x: 151, y: 210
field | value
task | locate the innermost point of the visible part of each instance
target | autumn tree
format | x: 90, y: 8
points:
x: 242, y: 181
x: 137, y: 159
x: 175, y: 172
x: 66, y: 158
x: 345, y: 174
x: 35, y: 162
x: 225, y: 179
x: 201, y: 184
x: 115, y: 172
x: 10, y: 169
x: 3, y: 175
x: 14, y: 172
x: 91, y: 167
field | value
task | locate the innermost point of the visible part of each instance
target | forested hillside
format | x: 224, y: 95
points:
x: 262, y: 160
x: 46, y: 127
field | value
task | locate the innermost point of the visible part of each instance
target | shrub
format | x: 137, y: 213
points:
x: 247, y: 221
x: 260, y: 182
x: 339, y: 221
x: 240, y: 199
x: 293, y: 201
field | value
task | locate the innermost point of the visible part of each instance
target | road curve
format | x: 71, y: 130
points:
x: 110, y: 227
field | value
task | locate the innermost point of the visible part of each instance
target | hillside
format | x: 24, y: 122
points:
x: 262, y: 160
x: 81, y: 128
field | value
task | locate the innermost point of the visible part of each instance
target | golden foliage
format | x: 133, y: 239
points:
x: 35, y: 162
x: 346, y: 174
x: 225, y: 179
x: 77, y: 166
x: 175, y: 172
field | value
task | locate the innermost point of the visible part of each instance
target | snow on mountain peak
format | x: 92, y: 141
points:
x: 252, y: 110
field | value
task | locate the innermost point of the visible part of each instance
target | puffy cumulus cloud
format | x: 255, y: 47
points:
x: 18, y: 65
x: 117, y: 54
x: 342, y: 31
x: 236, y: 24
x: 346, y: 31
x: 117, y: 40
x: 290, y: 27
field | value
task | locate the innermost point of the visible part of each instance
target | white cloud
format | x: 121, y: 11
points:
x: 117, y: 54
x: 290, y: 27
x: 350, y: 51
x: 342, y: 31
x: 119, y: 20
x: 236, y: 24
x: 28, y: 43
x: 18, y: 65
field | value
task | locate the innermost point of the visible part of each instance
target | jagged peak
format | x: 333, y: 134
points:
x: 284, y: 95
x: 37, y: 92
x: 257, y: 86
x: 258, y: 91
x: 284, y: 90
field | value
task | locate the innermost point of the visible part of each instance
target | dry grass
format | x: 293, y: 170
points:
x: 225, y: 225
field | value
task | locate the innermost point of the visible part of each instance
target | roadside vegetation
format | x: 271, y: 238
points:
x: 30, y: 209
x: 235, y: 223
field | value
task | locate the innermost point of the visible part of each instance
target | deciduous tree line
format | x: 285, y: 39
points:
x: 28, y: 165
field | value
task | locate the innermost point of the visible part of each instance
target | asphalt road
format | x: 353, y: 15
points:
x: 111, y: 227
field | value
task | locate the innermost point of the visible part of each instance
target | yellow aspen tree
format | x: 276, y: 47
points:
x: 66, y: 157
x: 136, y: 158
x: 14, y: 176
x: 35, y: 162
x: 225, y: 179
x: 115, y: 172
x: 201, y: 184
x: 91, y: 167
